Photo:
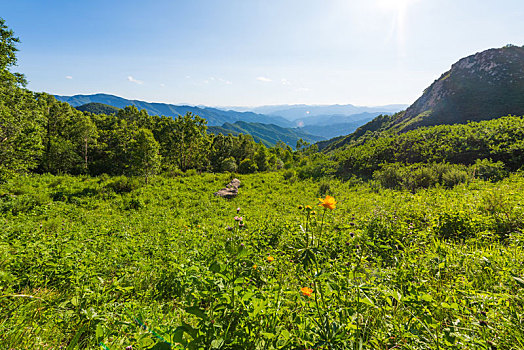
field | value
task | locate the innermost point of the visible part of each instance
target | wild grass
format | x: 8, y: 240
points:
x: 114, y: 263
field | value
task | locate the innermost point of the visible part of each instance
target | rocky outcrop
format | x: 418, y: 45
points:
x: 486, y: 85
x: 230, y: 191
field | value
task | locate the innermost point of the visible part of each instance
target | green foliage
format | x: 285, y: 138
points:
x: 457, y: 225
x: 499, y: 139
x: 122, y: 184
x: 109, y: 260
x: 97, y: 108
x: 416, y: 176
x: 486, y: 169
x: 145, y: 157
x: 229, y: 165
x: 247, y: 166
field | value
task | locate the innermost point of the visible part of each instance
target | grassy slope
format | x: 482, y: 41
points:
x: 78, y: 259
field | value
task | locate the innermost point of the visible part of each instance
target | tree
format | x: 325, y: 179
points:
x: 20, y: 116
x: 262, y: 158
x: 83, y: 133
x: 191, y: 141
x: 8, y: 56
x: 145, y: 154
x: 247, y: 166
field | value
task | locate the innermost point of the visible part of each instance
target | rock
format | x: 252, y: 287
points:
x: 230, y: 191
x: 235, y: 183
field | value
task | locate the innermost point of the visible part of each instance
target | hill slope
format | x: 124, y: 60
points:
x: 482, y: 86
x: 269, y: 134
x: 212, y: 115
x: 97, y: 108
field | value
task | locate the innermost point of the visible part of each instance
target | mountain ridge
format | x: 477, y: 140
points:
x: 214, y: 116
x: 483, y: 86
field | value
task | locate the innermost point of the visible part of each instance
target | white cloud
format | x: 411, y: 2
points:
x: 264, y: 79
x: 68, y: 77
x: 133, y: 80
x: 162, y: 84
x: 285, y: 81
x: 227, y: 82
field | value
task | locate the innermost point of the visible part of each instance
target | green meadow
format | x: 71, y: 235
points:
x: 115, y: 263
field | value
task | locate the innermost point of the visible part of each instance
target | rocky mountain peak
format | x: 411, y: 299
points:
x: 485, y: 85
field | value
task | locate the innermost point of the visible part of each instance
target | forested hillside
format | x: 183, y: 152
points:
x: 269, y: 134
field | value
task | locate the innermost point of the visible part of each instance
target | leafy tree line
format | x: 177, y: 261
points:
x: 62, y: 139
x: 40, y: 134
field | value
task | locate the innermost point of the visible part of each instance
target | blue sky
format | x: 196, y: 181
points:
x: 254, y: 52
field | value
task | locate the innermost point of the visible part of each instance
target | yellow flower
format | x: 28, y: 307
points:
x: 270, y: 258
x: 328, y: 202
x: 306, y: 291
x: 255, y: 266
x: 308, y: 207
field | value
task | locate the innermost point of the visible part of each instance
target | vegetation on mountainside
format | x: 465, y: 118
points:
x: 499, y: 139
x: 97, y: 108
x: 268, y: 134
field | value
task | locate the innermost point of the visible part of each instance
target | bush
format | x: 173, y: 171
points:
x: 247, y: 166
x: 288, y: 174
x: 423, y: 177
x: 454, y: 177
x: 316, y: 170
x: 390, y: 176
x: 122, y: 184
x: 415, y: 176
x: 229, y: 165
x: 486, y: 169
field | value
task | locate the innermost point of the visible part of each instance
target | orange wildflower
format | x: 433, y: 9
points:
x: 306, y: 291
x: 270, y: 258
x: 328, y: 202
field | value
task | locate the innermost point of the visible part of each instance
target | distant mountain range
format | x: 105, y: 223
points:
x: 305, y: 112
x: 213, y: 116
x: 325, y: 121
x: 268, y: 134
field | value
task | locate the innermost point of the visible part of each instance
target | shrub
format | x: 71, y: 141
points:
x: 423, y: 177
x: 288, y: 174
x: 247, y: 166
x: 390, y: 176
x: 453, y: 177
x: 122, y: 184
x: 486, y: 169
x: 229, y: 165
